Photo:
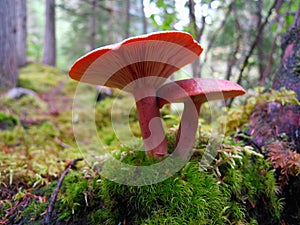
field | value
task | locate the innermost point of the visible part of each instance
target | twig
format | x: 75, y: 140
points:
x: 71, y: 165
x: 61, y: 143
x: 191, y: 5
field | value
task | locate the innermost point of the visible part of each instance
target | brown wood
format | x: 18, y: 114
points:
x: 8, y: 59
x: 21, y: 38
x: 49, y: 54
x: 272, y: 121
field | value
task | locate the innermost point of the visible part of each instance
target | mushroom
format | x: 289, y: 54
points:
x: 140, y: 65
x: 193, y: 93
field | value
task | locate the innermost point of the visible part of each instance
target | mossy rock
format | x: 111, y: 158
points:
x: 7, y: 122
x: 40, y: 77
x: 26, y: 105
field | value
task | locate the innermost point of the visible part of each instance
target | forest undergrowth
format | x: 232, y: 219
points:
x: 241, y: 185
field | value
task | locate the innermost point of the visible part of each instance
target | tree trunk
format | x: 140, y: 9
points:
x: 127, y: 18
x: 21, y: 41
x: 144, y: 19
x: 279, y: 119
x: 49, y: 54
x: 288, y: 76
x: 197, y: 33
x: 92, y: 24
x: 260, y: 50
x: 289, y: 72
x: 196, y: 68
x: 8, y: 58
x: 276, y: 127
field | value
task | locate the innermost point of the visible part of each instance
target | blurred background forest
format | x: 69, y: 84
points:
x: 241, y: 39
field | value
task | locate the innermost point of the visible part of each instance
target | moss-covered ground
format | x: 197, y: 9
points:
x: 37, y: 142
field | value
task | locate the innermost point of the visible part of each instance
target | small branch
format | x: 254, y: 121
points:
x: 62, y: 144
x: 192, y: 16
x: 201, y: 30
x: 71, y: 165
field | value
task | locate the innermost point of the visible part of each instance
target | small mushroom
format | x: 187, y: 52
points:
x: 193, y: 93
x: 140, y: 65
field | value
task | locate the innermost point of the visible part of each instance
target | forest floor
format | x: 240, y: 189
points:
x: 37, y: 145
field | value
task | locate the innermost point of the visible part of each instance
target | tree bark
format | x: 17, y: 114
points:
x: 92, y: 24
x: 289, y: 73
x: 8, y: 53
x: 144, y: 19
x: 276, y: 127
x: 127, y: 18
x: 197, y: 33
x: 21, y: 41
x: 273, y: 119
x: 49, y: 54
x: 288, y: 76
x: 260, y: 50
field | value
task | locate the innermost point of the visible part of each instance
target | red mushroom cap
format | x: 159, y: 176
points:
x: 152, y: 55
x: 199, y: 89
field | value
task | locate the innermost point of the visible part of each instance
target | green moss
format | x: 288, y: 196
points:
x: 74, y: 196
x: 40, y: 77
x: 29, y: 153
x: 223, y: 194
x: 47, y: 128
x: 195, y: 198
x: 249, y: 179
x: 70, y: 86
x: 238, y: 115
x: 26, y: 106
x: 32, y: 213
x: 7, y: 122
x: 121, y: 109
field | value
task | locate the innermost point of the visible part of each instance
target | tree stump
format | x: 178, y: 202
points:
x: 276, y: 128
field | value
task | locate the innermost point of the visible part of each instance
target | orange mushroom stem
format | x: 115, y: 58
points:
x: 151, y: 126
x: 193, y: 93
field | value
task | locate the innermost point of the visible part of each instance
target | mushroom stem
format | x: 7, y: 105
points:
x: 193, y: 92
x: 187, y: 128
x: 151, y: 125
